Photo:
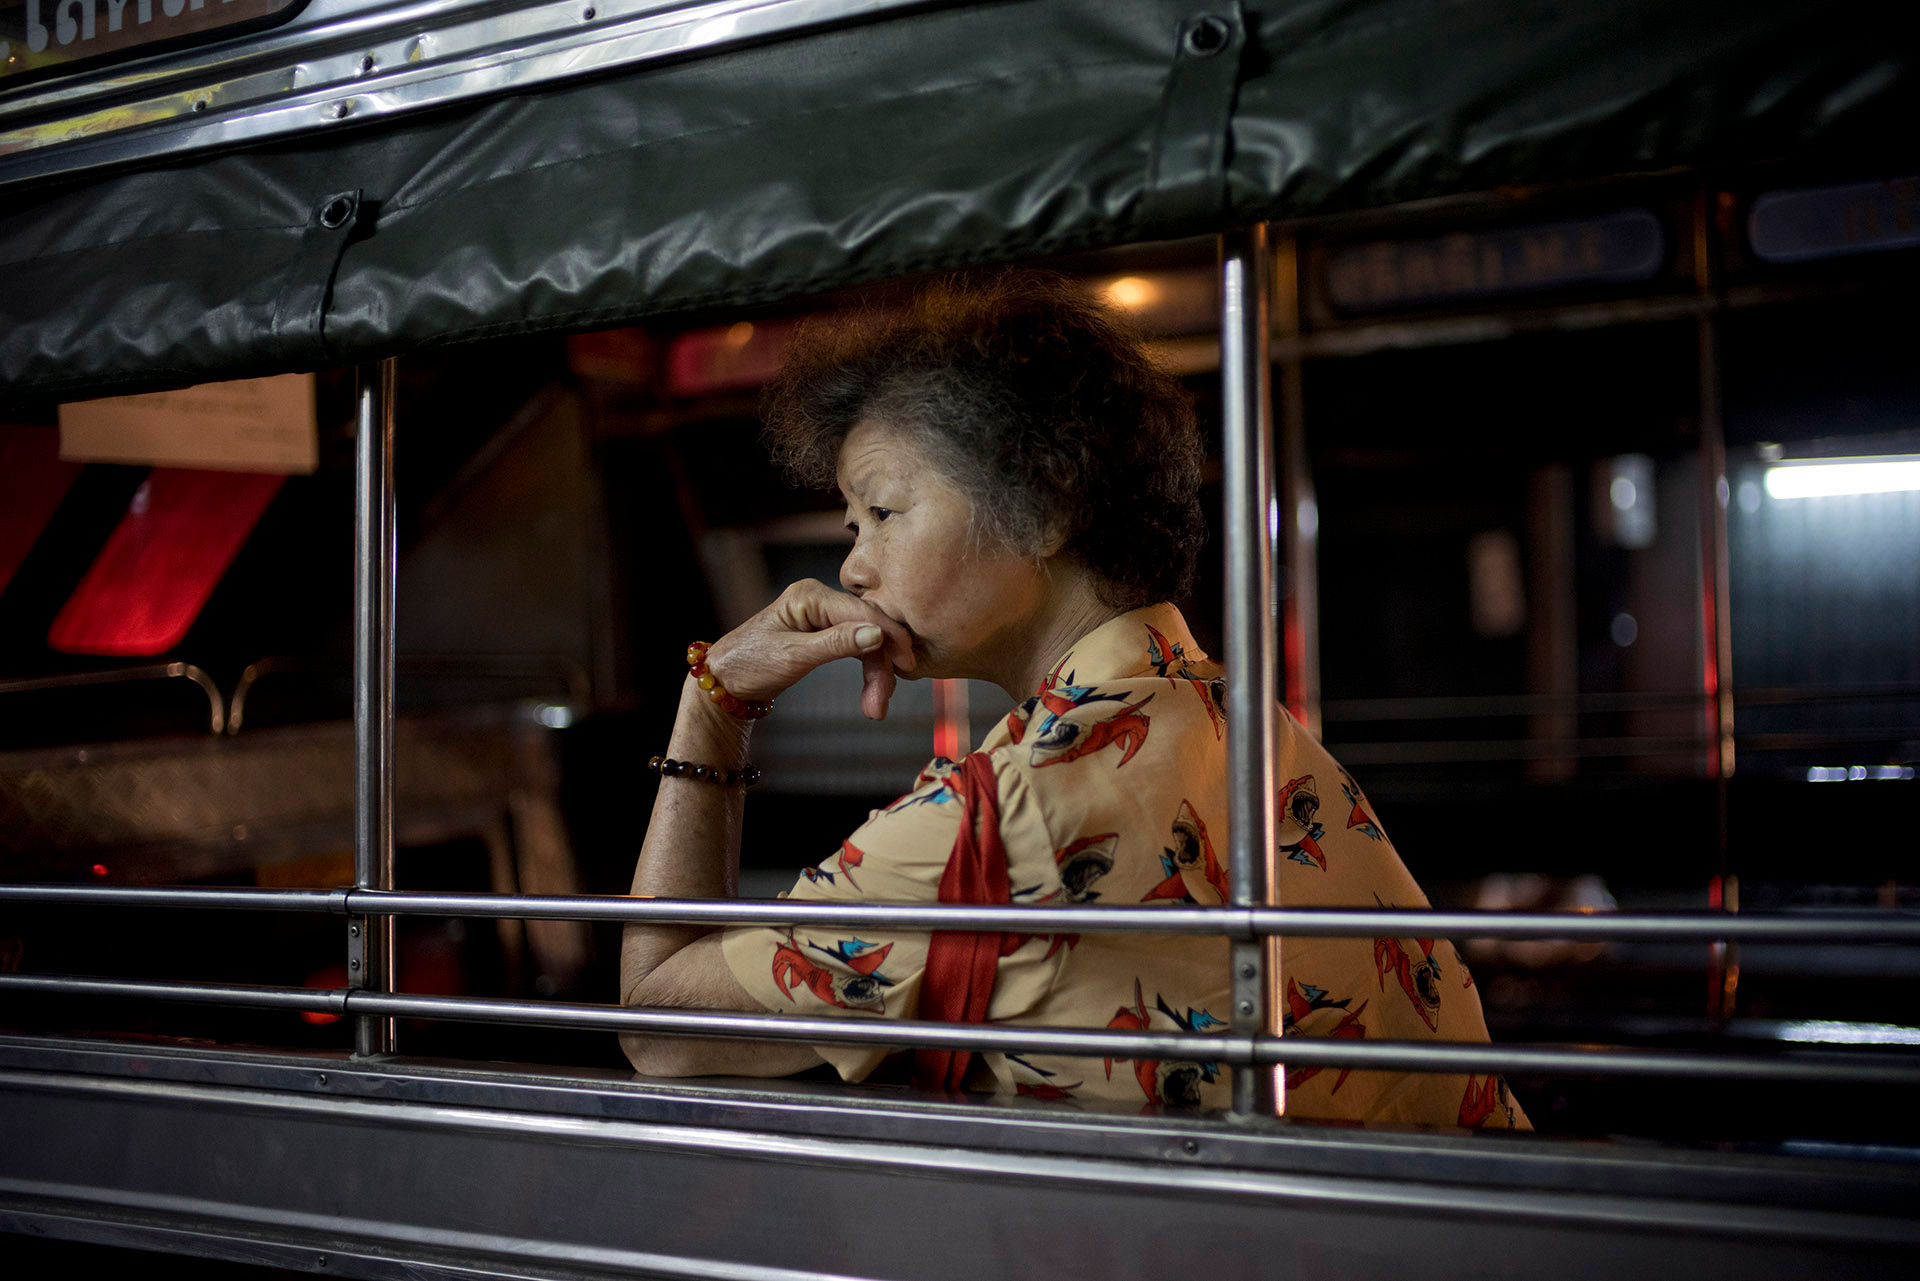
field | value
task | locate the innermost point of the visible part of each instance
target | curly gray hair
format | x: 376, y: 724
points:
x: 1033, y: 401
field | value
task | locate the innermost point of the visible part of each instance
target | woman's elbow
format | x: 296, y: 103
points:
x: 658, y: 1055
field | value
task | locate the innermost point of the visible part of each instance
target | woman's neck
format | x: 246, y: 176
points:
x: 1072, y: 610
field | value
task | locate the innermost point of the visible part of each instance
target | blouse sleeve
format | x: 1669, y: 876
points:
x: 896, y: 856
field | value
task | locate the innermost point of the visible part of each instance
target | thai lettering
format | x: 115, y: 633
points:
x: 76, y: 21
x: 1619, y: 247
x: 67, y: 27
x: 143, y: 14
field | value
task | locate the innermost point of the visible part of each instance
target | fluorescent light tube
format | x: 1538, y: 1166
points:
x: 1830, y: 478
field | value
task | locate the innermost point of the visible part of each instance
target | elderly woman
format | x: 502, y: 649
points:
x: 1021, y: 484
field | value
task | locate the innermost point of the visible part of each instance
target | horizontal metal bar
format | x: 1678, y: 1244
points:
x: 218, y: 898
x: 244, y: 995
x: 1850, y: 1067
x: 216, y: 706
x: 1853, y: 926
x: 1873, y: 926
x: 1891, y: 1068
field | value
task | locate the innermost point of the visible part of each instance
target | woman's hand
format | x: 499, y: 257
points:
x: 808, y: 626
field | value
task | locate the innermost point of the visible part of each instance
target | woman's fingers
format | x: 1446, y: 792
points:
x: 877, y: 681
x: 809, y: 626
x: 814, y: 607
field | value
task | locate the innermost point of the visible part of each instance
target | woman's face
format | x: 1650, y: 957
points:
x: 968, y: 609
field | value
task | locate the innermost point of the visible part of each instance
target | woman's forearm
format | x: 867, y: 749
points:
x: 692, y: 846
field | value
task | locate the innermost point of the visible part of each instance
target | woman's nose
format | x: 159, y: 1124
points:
x: 856, y: 571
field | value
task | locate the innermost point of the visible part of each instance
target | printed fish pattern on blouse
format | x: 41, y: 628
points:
x: 1109, y: 787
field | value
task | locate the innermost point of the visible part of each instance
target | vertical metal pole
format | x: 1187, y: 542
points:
x: 1251, y: 520
x: 1716, y: 635
x: 375, y: 544
x: 1299, y: 508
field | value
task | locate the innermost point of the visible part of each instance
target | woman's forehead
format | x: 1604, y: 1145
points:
x: 877, y: 450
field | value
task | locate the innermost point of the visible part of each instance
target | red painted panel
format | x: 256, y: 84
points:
x: 181, y: 532
x: 33, y: 480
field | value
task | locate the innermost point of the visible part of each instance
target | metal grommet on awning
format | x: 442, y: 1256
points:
x: 338, y: 210
x: 1208, y: 35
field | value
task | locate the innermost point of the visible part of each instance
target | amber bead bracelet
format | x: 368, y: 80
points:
x: 667, y: 767
x: 745, y: 709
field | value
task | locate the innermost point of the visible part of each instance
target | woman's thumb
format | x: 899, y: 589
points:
x: 849, y: 640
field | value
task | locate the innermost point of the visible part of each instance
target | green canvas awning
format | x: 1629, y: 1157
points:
x: 918, y: 139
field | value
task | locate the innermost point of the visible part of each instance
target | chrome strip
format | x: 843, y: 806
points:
x: 1246, y: 451
x: 914, y: 1153
x: 1859, y: 926
x: 1829, y: 1067
x: 369, y: 67
x: 370, y: 950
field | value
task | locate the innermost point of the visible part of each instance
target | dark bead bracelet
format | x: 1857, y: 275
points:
x: 667, y: 767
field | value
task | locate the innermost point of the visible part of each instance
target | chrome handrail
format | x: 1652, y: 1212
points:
x: 478, y: 666
x: 1827, y: 1067
x: 216, y: 706
x: 1884, y: 925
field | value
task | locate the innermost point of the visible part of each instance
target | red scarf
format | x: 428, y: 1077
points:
x: 961, y: 966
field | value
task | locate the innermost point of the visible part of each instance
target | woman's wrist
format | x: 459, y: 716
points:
x: 704, y: 733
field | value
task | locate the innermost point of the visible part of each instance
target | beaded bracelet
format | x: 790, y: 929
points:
x: 740, y: 707
x: 667, y: 767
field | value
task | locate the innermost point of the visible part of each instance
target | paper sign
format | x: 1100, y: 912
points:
x: 253, y: 425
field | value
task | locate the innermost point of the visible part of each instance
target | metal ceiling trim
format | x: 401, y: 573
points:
x: 368, y: 68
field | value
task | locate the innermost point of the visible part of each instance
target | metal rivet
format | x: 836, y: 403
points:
x: 339, y: 110
x: 1246, y: 1007
x: 336, y: 212
x: 1208, y: 36
x: 1191, y: 1147
x: 199, y: 104
x: 366, y: 64
x: 1247, y: 971
x: 323, y: 1078
x: 588, y: 13
x: 354, y: 964
x: 354, y: 931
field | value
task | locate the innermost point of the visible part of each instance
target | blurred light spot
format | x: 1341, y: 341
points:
x: 99, y: 869
x: 1628, y: 518
x: 1625, y: 629
x: 1496, y: 599
x: 1307, y: 517
x: 554, y: 716
x: 1132, y: 293
x: 1749, y: 496
x: 1887, y: 475
x: 740, y: 333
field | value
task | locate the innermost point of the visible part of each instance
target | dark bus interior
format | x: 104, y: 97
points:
x: 1505, y: 527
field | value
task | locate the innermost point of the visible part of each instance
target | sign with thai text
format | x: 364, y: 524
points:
x: 1379, y: 275
x: 253, y: 425
x: 49, y: 35
x: 1827, y: 222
